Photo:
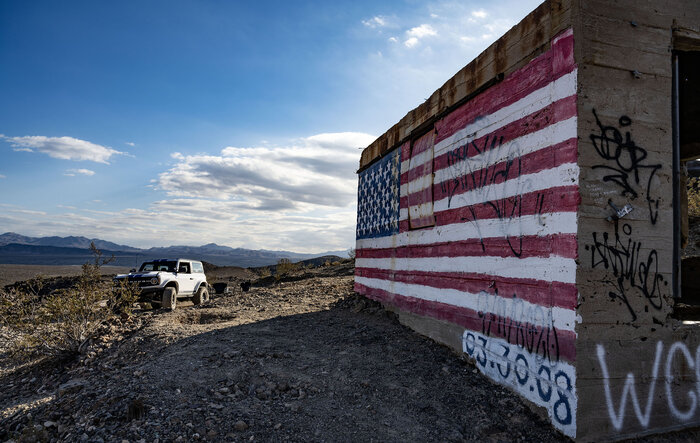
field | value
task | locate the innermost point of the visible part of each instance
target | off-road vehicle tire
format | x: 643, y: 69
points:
x: 169, y: 300
x: 202, y: 296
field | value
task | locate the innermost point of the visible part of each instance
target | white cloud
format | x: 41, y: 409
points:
x: 3, y: 176
x: 300, y: 196
x: 437, y: 38
x: 418, y: 33
x: 421, y: 31
x: 375, y: 22
x: 314, y: 172
x: 74, y: 172
x: 195, y: 222
x: 65, y: 148
x: 130, y: 143
x: 479, y: 14
x: 411, y: 42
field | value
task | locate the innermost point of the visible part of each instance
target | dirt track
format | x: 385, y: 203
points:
x: 301, y: 361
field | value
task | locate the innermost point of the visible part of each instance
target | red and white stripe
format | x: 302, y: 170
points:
x: 417, y: 161
x: 464, y: 249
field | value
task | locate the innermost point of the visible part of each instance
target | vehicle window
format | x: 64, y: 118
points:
x: 167, y: 266
x: 197, y: 267
x: 184, y: 268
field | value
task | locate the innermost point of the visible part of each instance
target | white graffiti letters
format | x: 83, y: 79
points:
x: 630, y: 390
x: 678, y: 346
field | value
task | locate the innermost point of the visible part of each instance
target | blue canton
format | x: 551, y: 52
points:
x: 378, y: 198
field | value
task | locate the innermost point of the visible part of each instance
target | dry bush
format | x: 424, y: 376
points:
x: 351, y: 253
x: 285, y: 266
x: 65, y: 321
x: 694, y: 197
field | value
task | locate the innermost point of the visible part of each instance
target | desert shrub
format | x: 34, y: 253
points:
x: 264, y: 272
x: 694, y: 197
x: 285, y: 266
x: 351, y: 253
x: 65, y: 321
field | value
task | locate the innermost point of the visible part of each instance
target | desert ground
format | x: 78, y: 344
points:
x: 13, y: 273
x: 302, y: 360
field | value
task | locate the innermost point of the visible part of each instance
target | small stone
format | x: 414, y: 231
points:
x: 212, y: 433
x: 71, y: 386
x: 278, y: 426
x: 49, y: 424
x: 240, y: 426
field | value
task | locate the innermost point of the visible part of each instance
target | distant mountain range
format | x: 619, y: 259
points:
x: 21, y: 249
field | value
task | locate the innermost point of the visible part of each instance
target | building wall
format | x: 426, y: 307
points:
x: 637, y: 366
x: 469, y: 229
x: 483, y: 217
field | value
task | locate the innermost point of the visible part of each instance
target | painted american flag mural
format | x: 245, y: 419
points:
x: 485, y: 229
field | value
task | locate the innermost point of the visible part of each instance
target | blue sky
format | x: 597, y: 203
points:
x: 152, y: 123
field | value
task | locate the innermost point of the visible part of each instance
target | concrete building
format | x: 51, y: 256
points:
x: 532, y: 214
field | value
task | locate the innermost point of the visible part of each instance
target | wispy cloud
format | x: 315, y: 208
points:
x: 2, y: 176
x: 375, y: 22
x: 74, y: 172
x: 418, y: 33
x: 480, y: 14
x: 300, y: 196
x: 195, y: 221
x: 130, y: 143
x: 428, y: 45
x: 65, y: 148
x: 315, y: 171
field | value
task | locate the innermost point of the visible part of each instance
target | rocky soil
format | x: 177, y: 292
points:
x: 294, y: 361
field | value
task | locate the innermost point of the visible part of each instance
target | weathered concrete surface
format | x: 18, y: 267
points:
x: 637, y: 367
x: 622, y: 365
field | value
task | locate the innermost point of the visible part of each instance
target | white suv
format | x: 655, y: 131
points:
x: 163, y: 281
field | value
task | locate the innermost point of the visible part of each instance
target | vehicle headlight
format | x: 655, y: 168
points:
x: 155, y: 280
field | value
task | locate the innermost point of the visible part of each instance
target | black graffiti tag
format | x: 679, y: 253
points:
x: 632, y: 269
x: 628, y: 160
x: 531, y: 329
x: 467, y: 177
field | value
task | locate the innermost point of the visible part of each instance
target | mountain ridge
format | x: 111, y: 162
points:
x: 19, y: 249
